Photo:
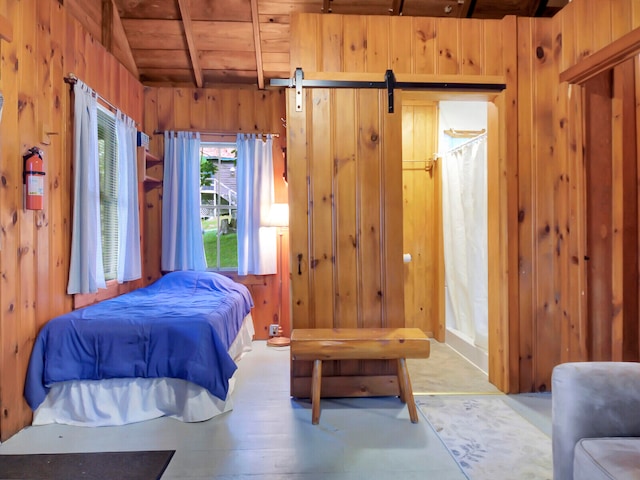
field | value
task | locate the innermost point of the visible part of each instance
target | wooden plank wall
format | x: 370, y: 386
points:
x: 421, y: 45
x: 229, y: 111
x: 544, y: 171
x: 554, y: 299
x: 34, y: 246
x: 431, y: 46
x: 90, y: 15
x: 555, y: 302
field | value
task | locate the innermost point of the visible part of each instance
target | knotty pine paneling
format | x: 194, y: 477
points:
x: 541, y: 120
x: 426, y: 46
x: 48, y: 43
x: 589, y: 25
x: 563, y: 315
x: 346, y: 235
x: 89, y: 13
x: 222, y: 111
x: 603, y: 324
x: 405, y: 44
x: 421, y: 214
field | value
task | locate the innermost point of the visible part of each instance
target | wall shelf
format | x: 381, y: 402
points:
x: 150, y: 181
x: 151, y: 159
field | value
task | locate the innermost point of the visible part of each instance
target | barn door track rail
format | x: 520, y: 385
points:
x: 389, y: 83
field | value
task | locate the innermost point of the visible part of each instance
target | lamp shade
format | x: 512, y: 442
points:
x: 278, y: 215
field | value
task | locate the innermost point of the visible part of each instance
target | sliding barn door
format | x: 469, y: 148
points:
x: 345, y: 193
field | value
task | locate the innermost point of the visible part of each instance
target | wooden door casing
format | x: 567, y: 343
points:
x: 345, y: 195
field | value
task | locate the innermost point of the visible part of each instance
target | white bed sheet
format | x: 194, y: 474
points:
x: 120, y: 401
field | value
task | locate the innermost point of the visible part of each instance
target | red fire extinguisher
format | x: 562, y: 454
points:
x: 33, y: 179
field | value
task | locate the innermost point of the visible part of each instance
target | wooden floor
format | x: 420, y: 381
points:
x: 269, y: 436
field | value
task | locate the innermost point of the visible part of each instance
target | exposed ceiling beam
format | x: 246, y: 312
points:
x: 326, y: 6
x: 396, y: 8
x: 256, y: 40
x: 107, y: 25
x: 541, y: 7
x: 122, y: 43
x: 185, y: 13
x: 114, y: 38
x: 467, y: 8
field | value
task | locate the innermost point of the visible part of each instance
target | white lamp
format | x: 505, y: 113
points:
x: 279, y: 217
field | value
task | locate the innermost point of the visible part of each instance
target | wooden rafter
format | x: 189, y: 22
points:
x: 114, y: 38
x: 122, y: 43
x: 255, y: 20
x: 396, y: 7
x: 467, y: 8
x: 326, y: 6
x: 185, y: 13
x: 107, y: 25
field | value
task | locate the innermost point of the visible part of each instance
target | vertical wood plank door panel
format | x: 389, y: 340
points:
x: 421, y: 215
x: 345, y: 195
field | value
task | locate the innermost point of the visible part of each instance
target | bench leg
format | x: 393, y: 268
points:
x: 406, y: 393
x: 316, y: 382
x: 401, y: 385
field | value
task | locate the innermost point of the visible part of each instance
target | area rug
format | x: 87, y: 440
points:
x: 488, y: 439
x: 147, y: 465
x: 447, y: 372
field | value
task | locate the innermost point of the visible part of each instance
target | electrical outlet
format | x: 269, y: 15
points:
x: 273, y: 329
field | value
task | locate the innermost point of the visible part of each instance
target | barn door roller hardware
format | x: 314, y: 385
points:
x: 390, y: 84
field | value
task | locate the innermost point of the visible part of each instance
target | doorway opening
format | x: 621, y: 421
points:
x: 445, y: 233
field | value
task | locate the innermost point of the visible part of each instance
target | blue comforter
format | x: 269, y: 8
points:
x: 181, y: 326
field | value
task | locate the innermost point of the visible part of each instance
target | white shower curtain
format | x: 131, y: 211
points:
x: 464, y: 207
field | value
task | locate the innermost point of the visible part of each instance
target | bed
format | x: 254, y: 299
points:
x: 169, y: 349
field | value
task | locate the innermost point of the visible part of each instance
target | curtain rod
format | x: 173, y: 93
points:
x: 219, y: 134
x: 464, y: 144
x: 72, y: 80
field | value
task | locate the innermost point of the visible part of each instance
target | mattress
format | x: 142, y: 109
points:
x: 175, y: 337
x: 121, y: 401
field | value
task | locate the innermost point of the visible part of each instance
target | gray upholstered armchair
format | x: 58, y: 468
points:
x: 596, y: 420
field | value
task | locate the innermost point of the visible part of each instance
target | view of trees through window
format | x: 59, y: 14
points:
x: 219, y: 204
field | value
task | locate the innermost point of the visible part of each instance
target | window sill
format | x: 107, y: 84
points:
x: 113, y: 289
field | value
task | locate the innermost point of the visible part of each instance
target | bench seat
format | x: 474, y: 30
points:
x: 318, y: 344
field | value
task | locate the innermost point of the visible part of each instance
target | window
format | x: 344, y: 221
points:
x: 219, y: 204
x: 108, y: 156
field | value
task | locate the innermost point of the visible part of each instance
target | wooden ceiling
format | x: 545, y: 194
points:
x: 212, y: 42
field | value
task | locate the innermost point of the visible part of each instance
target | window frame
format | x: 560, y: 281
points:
x: 232, y: 210
x: 108, y: 191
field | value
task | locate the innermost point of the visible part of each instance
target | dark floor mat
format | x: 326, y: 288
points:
x: 147, y: 465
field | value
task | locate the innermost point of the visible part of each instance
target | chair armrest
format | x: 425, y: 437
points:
x: 591, y: 400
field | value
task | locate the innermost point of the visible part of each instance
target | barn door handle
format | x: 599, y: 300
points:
x: 299, y: 264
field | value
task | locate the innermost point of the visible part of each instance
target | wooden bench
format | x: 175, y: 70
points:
x: 318, y: 344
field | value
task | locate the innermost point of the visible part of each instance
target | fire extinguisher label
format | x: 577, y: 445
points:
x: 35, y: 185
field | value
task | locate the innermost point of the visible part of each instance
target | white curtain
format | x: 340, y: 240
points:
x: 464, y: 206
x: 257, y: 252
x: 129, y: 263
x: 182, y: 244
x: 86, y: 273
